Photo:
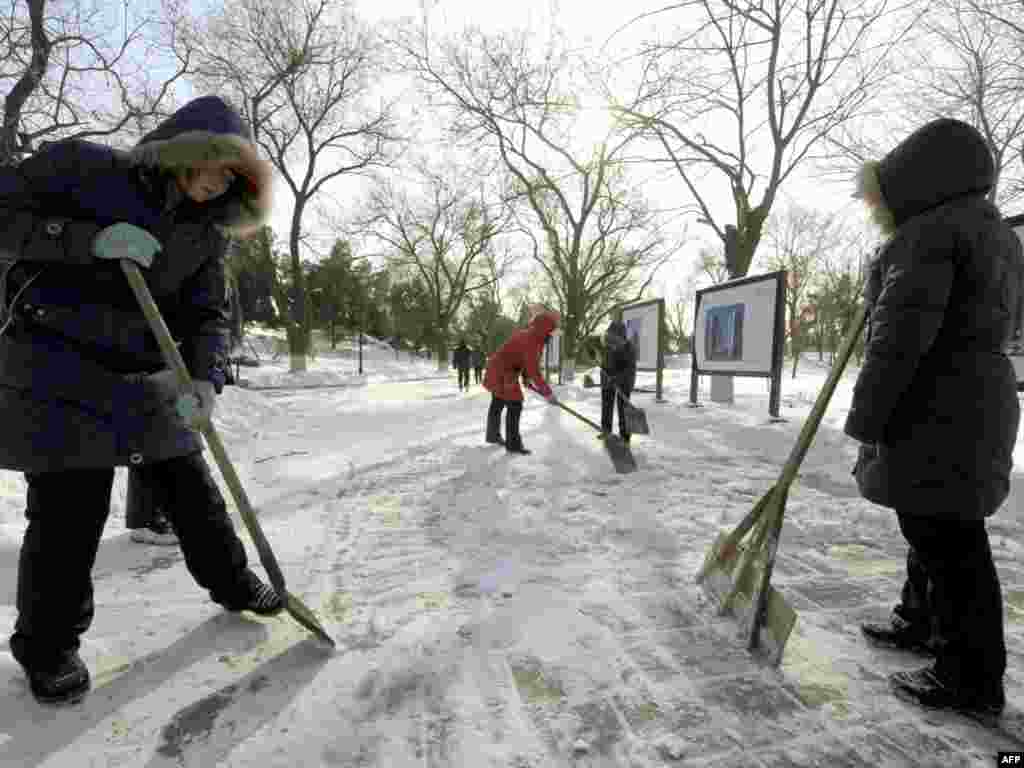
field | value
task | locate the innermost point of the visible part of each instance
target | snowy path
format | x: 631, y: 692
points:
x: 535, y: 612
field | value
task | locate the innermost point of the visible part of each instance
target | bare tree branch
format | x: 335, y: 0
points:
x: 304, y: 73
x: 70, y: 80
x: 744, y: 92
x: 594, y: 241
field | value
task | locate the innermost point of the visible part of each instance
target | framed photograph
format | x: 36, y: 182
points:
x: 723, y: 333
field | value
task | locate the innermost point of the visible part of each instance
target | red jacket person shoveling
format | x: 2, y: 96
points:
x: 519, y: 356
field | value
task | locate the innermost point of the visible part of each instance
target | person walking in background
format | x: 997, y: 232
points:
x: 519, y: 356
x: 461, y: 360
x: 935, y: 404
x: 618, y: 377
x: 479, y: 360
x: 83, y: 386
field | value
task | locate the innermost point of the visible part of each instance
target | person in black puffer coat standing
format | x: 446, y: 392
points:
x: 935, y: 404
x: 83, y: 385
x: 618, y: 377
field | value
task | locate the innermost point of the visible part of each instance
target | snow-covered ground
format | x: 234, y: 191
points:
x: 450, y: 574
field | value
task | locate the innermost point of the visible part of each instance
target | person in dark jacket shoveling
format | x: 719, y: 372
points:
x: 618, y: 377
x: 83, y: 386
x: 935, y: 404
x: 517, y: 357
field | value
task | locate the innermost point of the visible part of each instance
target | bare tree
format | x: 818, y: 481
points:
x: 443, y: 235
x: 800, y: 239
x: 591, y: 238
x: 979, y: 78
x: 67, y: 75
x: 1009, y: 13
x: 613, y: 263
x: 711, y: 263
x: 303, y: 71
x: 839, y: 285
x: 679, y: 315
x: 739, y: 99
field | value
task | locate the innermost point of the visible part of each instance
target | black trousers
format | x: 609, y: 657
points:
x: 478, y: 374
x: 140, y: 505
x: 916, y: 599
x: 608, y: 399
x: 962, y: 591
x: 463, y: 378
x: 66, y: 513
x: 513, y: 438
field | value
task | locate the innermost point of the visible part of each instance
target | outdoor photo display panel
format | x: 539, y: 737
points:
x: 736, y: 327
x: 642, y: 323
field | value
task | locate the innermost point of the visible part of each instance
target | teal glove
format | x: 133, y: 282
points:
x: 126, y: 241
x: 196, y: 407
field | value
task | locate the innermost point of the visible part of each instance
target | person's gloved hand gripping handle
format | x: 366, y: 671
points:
x: 549, y: 395
x: 126, y: 241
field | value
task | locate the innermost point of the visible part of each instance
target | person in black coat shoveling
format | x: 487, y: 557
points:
x: 618, y: 377
x: 83, y: 386
x: 461, y: 360
x: 935, y: 404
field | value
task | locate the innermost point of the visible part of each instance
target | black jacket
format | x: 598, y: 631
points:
x: 460, y: 356
x: 936, y: 396
x: 619, y: 365
x: 73, y: 359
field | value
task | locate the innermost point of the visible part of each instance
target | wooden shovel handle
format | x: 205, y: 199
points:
x: 810, y: 427
x: 172, y: 356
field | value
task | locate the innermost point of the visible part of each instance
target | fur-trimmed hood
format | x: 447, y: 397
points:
x: 208, y: 131
x: 943, y: 160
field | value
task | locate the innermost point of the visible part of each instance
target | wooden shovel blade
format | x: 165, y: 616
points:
x: 719, y: 583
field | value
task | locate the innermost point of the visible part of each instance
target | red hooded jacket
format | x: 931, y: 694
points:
x: 520, y: 355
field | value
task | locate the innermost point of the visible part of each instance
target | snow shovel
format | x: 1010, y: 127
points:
x: 295, y: 607
x: 737, y: 576
x: 636, y: 419
x: 622, y: 458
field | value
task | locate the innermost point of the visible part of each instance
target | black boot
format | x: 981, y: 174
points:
x: 926, y: 689
x: 54, y: 677
x: 514, y: 444
x: 901, y: 635
x: 494, y: 422
x: 251, y: 594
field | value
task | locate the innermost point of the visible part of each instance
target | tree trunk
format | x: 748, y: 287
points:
x: 298, y: 343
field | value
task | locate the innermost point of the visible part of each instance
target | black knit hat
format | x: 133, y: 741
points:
x: 941, y: 161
